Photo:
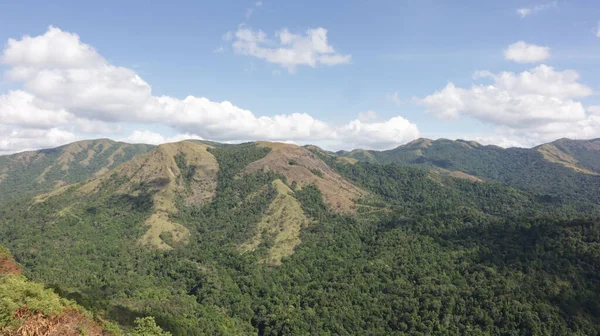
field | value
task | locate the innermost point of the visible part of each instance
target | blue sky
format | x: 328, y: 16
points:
x: 404, y: 49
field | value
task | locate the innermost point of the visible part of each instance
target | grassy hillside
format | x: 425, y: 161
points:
x: 29, y: 173
x: 581, y: 155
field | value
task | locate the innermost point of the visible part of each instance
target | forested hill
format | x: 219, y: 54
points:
x: 560, y: 168
x: 277, y: 239
x: 28, y: 173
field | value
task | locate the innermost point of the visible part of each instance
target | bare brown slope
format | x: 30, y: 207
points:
x: 300, y: 165
x: 554, y: 154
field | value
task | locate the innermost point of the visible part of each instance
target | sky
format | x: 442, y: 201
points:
x: 340, y: 74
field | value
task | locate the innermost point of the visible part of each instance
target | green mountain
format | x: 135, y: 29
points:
x: 564, y: 168
x: 28, y: 173
x: 276, y: 239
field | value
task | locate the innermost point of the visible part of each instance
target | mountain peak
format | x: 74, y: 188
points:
x: 419, y: 143
x: 184, y: 168
x: 300, y: 165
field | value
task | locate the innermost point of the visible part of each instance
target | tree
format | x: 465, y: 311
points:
x: 147, y: 327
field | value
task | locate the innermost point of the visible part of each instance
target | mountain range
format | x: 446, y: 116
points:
x: 433, y: 237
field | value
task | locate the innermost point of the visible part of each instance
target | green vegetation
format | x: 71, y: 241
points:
x: 585, y: 152
x: 187, y: 172
x: 521, y: 168
x: 425, y: 254
x: 29, y: 308
x: 29, y: 173
x: 147, y: 327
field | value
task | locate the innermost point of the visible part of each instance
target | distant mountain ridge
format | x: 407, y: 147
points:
x: 577, y: 162
x: 29, y: 173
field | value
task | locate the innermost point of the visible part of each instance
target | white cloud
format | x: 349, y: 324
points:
x: 379, y: 135
x: 503, y: 141
x: 586, y: 128
x: 595, y: 110
x: 291, y: 50
x: 54, y: 49
x: 28, y: 139
x: 152, y: 138
x: 91, y: 95
x: 18, y: 108
x: 598, y: 30
x: 367, y: 116
x: 524, y: 12
x: 517, y: 100
x: 219, y: 50
x: 522, y: 52
x: 533, y: 106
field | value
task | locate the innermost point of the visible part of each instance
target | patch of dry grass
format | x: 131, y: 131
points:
x: 553, y: 154
x: 419, y: 143
x: 281, y: 226
x: 159, y: 223
x: 348, y: 160
x: 43, y: 197
x: 436, y: 174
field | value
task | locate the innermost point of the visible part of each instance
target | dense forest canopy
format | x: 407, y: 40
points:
x: 514, y: 252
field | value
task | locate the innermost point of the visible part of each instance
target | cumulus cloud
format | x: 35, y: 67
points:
x: 12, y: 140
x: 533, y: 106
x: 586, y: 128
x: 19, y: 108
x: 595, y: 110
x: 148, y: 137
x: 379, y: 135
x: 522, y: 52
x: 526, y: 11
x: 54, y: 49
x: 536, y: 96
x: 289, y: 50
x: 81, y: 91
